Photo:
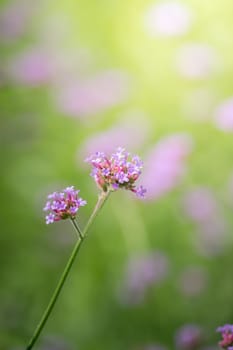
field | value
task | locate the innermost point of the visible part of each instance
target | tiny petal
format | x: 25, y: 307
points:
x: 50, y: 218
x: 73, y: 210
x: 105, y: 171
x: 81, y: 202
x: 47, y: 206
x: 115, y: 186
x: 52, y: 195
x: 140, y: 192
x: 122, y: 177
x: 69, y: 189
x: 137, y: 161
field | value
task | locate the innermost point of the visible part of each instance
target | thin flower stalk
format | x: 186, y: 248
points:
x: 82, y: 235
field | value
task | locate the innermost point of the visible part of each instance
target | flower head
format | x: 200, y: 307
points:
x: 63, y: 205
x: 120, y: 170
x: 227, y: 336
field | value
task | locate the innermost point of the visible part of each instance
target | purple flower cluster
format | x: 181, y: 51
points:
x: 63, y: 205
x: 227, y: 336
x: 120, y: 170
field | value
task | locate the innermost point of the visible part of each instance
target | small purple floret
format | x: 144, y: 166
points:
x: 122, y: 177
x: 120, y: 170
x: 50, y: 218
x: 63, y: 205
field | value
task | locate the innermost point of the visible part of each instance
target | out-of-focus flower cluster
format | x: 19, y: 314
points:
x: 227, y: 336
x: 93, y: 95
x: 165, y: 164
x: 197, y: 61
x: 142, y: 273
x: 154, y: 347
x: 120, y: 170
x: 224, y: 115
x: 188, y: 337
x: 193, y: 281
x: 108, y: 139
x: 201, y: 206
x: 63, y: 205
x: 168, y: 19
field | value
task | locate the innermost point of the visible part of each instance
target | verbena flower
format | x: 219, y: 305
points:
x: 227, y: 336
x: 63, y: 205
x: 120, y: 170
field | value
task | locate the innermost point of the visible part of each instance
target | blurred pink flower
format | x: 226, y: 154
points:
x: 32, y: 67
x: 54, y: 342
x: 192, y: 281
x: 154, y: 347
x: 197, y: 61
x: 93, y: 95
x: 188, y: 337
x: 200, y: 204
x: 211, y: 236
x: 71, y: 63
x: 14, y: 19
x: 168, y: 18
x: 202, y: 208
x: 69, y: 66
x: 165, y: 165
x: 198, y: 104
x: 141, y: 273
x: 224, y: 115
x: 132, y: 132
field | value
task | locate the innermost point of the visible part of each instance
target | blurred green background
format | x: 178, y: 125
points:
x: 83, y: 76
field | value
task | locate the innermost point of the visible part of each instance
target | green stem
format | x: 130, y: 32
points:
x: 77, y: 228
x: 101, y: 200
x: 103, y: 196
